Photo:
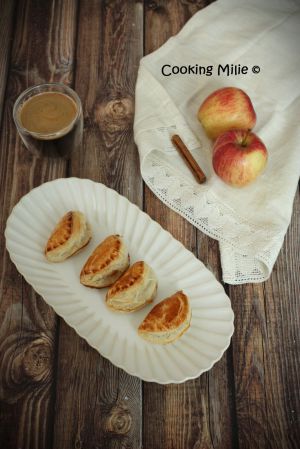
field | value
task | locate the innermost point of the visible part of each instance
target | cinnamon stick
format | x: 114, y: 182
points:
x: 190, y: 161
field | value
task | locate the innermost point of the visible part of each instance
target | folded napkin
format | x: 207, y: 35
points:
x: 250, y: 222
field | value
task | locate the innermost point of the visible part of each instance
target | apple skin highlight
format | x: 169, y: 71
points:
x: 225, y: 109
x: 239, y: 157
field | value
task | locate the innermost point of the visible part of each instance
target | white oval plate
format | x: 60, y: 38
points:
x: 115, y: 335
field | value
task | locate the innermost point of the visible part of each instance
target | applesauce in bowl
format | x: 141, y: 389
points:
x: 49, y: 120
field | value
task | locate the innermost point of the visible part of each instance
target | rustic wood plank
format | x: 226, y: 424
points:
x: 221, y: 394
x: 7, y: 9
x: 282, y: 352
x: 28, y: 325
x: 105, y: 401
x: 266, y: 352
x: 198, y: 413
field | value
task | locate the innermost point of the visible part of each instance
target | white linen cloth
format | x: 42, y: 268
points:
x: 249, y: 222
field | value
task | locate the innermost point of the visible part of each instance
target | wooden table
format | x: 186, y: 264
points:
x: 57, y: 392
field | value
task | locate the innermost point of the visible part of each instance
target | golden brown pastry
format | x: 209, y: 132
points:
x: 168, y: 320
x: 136, y: 288
x: 106, y: 264
x: 70, y: 235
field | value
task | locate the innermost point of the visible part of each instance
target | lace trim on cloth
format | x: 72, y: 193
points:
x: 238, y: 237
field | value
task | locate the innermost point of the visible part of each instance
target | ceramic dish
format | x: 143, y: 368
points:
x: 113, y: 334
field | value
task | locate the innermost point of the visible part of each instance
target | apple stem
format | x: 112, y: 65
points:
x: 244, y: 141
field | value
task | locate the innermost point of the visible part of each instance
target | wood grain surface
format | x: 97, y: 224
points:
x: 55, y: 391
x: 28, y: 332
x: 6, y: 24
x: 266, y: 351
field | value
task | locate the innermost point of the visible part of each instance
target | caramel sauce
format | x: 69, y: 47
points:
x: 48, y: 112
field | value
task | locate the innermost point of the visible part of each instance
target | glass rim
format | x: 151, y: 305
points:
x: 44, y: 136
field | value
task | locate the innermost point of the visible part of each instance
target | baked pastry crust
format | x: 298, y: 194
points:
x: 106, y: 264
x: 168, y: 320
x: 136, y: 288
x: 70, y: 235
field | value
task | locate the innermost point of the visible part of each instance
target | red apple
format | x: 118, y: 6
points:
x: 239, y: 156
x: 225, y: 109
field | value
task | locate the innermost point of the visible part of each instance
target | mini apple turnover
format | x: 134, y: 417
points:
x: 136, y: 288
x: 106, y: 264
x: 168, y: 320
x: 70, y: 235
